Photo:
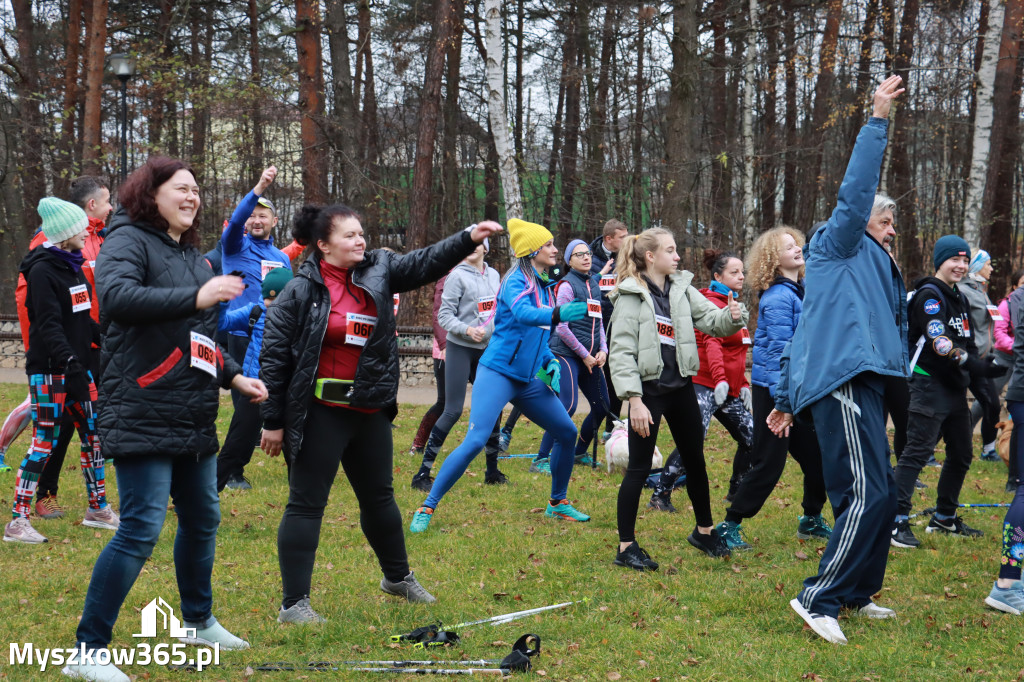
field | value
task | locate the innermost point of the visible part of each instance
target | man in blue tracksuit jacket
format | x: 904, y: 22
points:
x: 852, y: 334
x: 247, y: 246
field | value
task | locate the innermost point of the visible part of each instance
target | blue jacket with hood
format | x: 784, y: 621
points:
x: 778, y: 313
x: 522, y: 327
x: 855, y: 311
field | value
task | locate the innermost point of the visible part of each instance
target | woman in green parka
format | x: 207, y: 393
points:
x: 652, y: 357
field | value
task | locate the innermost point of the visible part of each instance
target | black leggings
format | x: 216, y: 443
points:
x: 361, y: 444
x: 434, y: 411
x: 770, y: 460
x: 682, y: 414
x: 897, y: 404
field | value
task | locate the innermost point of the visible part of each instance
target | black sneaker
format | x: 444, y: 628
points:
x: 422, y: 482
x: 903, y: 537
x: 713, y: 545
x: 932, y: 462
x: 661, y: 504
x: 238, y: 482
x: 1011, y: 486
x: 636, y: 558
x: 497, y: 478
x: 954, y: 526
x: 919, y: 485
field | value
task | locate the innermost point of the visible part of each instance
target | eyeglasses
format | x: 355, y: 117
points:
x: 581, y: 254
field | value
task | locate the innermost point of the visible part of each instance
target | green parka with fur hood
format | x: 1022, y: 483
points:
x: 634, y: 350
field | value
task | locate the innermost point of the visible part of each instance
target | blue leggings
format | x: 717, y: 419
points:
x: 538, y: 403
x: 574, y: 373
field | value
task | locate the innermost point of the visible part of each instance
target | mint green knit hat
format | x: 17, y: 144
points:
x: 61, y: 219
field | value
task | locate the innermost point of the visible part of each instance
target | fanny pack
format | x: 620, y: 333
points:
x: 336, y: 391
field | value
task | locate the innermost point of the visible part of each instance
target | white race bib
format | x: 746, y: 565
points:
x: 204, y: 354
x: 745, y: 336
x: 397, y: 299
x: 485, y: 305
x: 268, y: 265
x: 993, y: 312
x: 358, y: 328
x: 80, y: 298
x: 594, y: 308
x: 666, y: 333
x: 607, y: 282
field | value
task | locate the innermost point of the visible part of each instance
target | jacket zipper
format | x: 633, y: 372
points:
x: 323, y: 334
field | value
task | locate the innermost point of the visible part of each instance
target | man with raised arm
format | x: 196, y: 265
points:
x: 852, y: 334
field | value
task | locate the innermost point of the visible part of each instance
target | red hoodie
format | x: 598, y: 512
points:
x: 90, y: 251
x: 722, y: 359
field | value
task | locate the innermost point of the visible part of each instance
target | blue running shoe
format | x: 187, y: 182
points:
x: 1008, y: 600
x: 565, y: 510
x: 730, y: 533
x: 421, y: 519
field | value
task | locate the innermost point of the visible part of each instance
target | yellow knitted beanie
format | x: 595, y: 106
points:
x: 526, y: 238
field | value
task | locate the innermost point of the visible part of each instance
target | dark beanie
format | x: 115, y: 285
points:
x: 275, y: 281
x: 948, y: 247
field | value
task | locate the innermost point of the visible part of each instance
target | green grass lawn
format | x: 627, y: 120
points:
x: 492, y: 551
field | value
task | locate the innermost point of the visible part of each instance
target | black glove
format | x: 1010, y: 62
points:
x: 985, y: 367
x: 76, y: 381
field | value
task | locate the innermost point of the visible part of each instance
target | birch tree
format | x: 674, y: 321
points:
x: 983, y: 124
x: 496, y: 111
x: 749, y: 77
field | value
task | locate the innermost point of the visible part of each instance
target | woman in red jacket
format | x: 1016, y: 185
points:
x: 721, y: 384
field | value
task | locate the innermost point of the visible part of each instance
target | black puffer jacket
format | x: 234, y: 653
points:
x: 152, y: 401
x: 297, y: 322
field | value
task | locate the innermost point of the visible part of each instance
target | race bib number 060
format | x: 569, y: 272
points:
x: 358, y: 328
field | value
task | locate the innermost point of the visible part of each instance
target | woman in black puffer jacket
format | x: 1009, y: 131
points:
x: 159, y: 399
x: 330, y: 363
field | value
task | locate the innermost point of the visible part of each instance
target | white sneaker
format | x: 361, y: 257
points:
x: 96, y: 672
x: 873, y: 610
x: 215, y: 634
x: 105, y: 518
x: 825, y: 627
x: 20, y: 530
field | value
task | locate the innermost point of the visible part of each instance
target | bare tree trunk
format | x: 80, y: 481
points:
x: 860, y: 90
x: 982, y: 125
x: 721, y: 168
x: 65, y: 159
x: 199, y: 77
x: 311, y: 103
x: 517, y: 125
x: 257, y: 158
x: 159, y: 105
x: 680, y: 154
x: 1005, y: 147
x: 370, y: 144
x: 904, y: 192
x: 769, y: 164
x: 639, y: 88
x: 749, y: 83
x: 496, y: 112
x: 556, y: 146
x: 450, y: 140
x: 33, y: 173
x: 595, y: 212
x: 346, y: 118
x: 789, y: 187
x: 576, y: 33
x: 96, y: 32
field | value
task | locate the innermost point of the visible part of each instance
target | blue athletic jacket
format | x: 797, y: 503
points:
x: 237, y: 320
x: 855, y: 311
x: 519, y: 345
x: 242, y: 252
x: 777, y: 315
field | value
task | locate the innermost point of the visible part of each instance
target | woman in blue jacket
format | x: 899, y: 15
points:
x: 518, y: 367
x: 776, y: 267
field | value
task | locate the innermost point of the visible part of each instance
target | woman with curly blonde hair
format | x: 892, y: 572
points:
x: 775, y: 267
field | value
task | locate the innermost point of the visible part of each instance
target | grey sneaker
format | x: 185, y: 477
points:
x: 300, y: 613
x: 409, y: 588
x: 20, y: 530
x: 105, y: 518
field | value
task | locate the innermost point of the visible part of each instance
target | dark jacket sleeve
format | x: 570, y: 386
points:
x: 124, y: 297
x: 231, y: 368
x: 276, y: 364
x: 44, y: 299
x: 428, y: 264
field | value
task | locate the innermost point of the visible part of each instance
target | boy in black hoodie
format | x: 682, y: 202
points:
x: 61, y: 333
x: 943, y: 358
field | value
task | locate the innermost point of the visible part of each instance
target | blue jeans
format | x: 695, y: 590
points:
x: 574, y: 373
x: 144, y: 485
x: 538, y: 402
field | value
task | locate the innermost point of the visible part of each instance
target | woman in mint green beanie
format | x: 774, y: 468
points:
x: 59, y: 301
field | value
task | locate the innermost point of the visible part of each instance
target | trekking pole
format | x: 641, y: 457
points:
x: 515, y: 456
x: 508, y: 617
x: 435, y: 671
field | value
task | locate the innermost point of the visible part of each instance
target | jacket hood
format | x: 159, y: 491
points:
x: 943, y: 287
x: 471, y: 270
x: 630, y: 285
x: 797, y: 287
x: 37, y: 255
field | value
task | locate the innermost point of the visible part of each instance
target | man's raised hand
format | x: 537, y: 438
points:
x: 888, y: 91
x: 266, y: 179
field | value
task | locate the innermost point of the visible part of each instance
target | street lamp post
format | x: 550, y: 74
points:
x: 123, y: 66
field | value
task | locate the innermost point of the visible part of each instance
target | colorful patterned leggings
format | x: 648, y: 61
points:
x: 1013, y: 524
x: 49, y: 401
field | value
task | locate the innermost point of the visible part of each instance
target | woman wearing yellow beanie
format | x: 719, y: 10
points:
x: 518, y: 367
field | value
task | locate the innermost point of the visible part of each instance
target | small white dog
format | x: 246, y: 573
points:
x: 616, y: 449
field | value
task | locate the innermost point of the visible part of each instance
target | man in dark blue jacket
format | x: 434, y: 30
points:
x: 603, y: 252
x: 852, y: 334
